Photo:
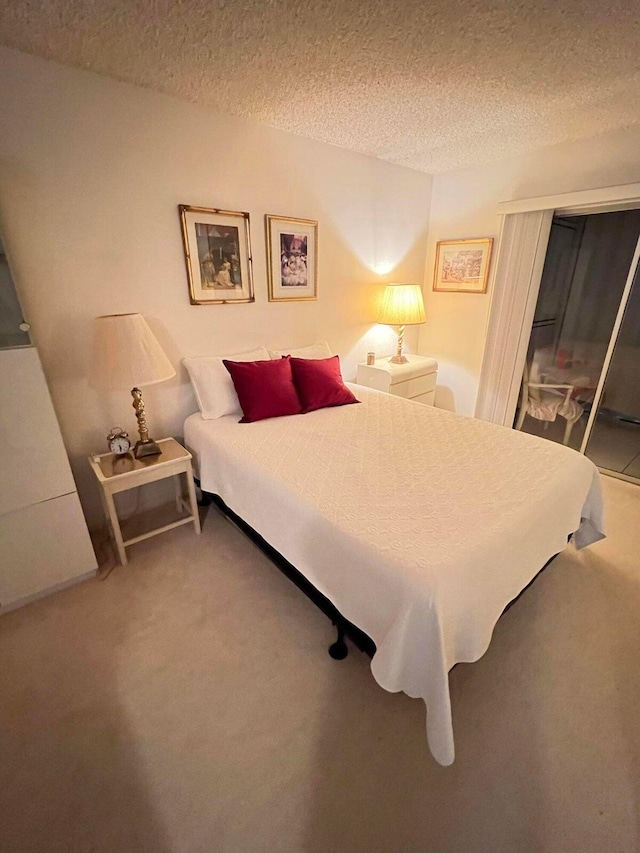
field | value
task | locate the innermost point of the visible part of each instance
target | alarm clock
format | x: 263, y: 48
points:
x: 118, y: 441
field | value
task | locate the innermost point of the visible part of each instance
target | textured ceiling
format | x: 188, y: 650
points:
x: 434, y: 86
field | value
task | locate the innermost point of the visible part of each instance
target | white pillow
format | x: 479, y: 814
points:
x: 212, y: 382
x: 315, y: 351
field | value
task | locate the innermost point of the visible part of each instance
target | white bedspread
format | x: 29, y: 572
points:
x: 418, y: 524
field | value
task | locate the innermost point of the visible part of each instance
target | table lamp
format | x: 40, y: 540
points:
x: 402, y: 305
x: 126, y: 354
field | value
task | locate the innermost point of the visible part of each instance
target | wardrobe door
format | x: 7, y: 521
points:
x: 44, y: 541
x: 33, y: 460
x: 44, y: 546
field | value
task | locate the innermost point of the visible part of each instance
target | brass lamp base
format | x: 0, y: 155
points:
x: 146, y: 448
x: 398, y: 358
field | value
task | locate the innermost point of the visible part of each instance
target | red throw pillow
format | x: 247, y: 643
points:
x: 265, y: 388
x: 319, y: 383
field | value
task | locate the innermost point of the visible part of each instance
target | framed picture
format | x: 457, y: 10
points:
x: 217, y: 252
x: 462, y: 266
x: 292, y: 258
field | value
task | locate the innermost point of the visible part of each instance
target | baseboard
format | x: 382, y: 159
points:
x: 6, y: 608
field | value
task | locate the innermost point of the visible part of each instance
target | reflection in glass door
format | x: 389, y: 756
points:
x: 614, y: 439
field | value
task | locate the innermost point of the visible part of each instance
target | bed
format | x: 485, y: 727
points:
x: 419, y: 525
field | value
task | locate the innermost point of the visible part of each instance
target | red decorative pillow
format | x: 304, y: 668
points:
x: 265, y: 389
x: 319, y: 383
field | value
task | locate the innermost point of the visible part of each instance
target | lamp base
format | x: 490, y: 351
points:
x: 146, y: 448
x: 398, y: 358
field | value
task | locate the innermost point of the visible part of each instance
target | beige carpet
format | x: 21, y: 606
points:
x: 187, y: 703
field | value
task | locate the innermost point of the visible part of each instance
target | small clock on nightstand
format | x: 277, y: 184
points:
x: 415, y: 380
x: 118, y: 441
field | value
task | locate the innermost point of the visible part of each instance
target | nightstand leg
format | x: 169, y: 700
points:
x: 115, y: 527
x: 194, y: 503
x: 177, y: 484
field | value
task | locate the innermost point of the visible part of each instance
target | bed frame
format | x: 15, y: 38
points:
x: 339, y: 649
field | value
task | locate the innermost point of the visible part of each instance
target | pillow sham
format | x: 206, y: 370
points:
x: 317, y: 351
x: 265, y: 389
x: 212, y: 383
x: 319, y: 383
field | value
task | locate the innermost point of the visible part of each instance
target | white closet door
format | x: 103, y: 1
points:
x: 43, y: 546
x: 33, y: 462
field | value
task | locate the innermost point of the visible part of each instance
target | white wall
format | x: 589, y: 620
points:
x: 464, y: 205
x: 91, y: 173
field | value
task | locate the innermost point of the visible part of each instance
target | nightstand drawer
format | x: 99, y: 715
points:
x: 413, y: 369
x: 416, y: 378
x: 426, y: 399
x: 415, y: 387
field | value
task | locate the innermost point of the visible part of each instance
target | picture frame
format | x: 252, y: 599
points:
x: 292, y: 258
x: 462, y: 266
x: 217, y: 252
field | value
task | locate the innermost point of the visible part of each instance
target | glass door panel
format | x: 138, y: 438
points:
x: 614, y: 443
x: 11, y: 319
x: 585, y: 272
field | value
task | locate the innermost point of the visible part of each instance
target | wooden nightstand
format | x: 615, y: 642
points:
x: 120, y: 473
x: 415, y: 380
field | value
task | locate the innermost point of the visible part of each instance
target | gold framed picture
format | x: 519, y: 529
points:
x: 292, y: 258
x: 217, y: 253
x: 462, y: 266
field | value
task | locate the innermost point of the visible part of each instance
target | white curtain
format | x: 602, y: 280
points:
x: 520, y: 260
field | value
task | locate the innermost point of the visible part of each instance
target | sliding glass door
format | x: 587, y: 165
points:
x: 613, y: 442
x: 585, y: 278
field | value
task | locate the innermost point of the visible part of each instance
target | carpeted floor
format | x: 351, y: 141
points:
x: 187, y: 704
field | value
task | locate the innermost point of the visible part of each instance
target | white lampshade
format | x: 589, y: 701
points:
x: 126, y: 353
x: 402, y: 305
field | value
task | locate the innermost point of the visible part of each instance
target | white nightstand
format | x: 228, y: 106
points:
x: 120, y: 473
x: 415, y: 380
